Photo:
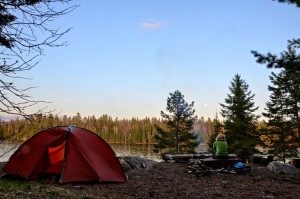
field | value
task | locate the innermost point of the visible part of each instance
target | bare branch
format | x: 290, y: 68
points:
x: 25, y: 30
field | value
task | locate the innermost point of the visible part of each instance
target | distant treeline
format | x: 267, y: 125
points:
x: 131, y: 131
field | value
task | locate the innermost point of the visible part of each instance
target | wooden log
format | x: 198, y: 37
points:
x: 219, y: 163
x: 256, y: 159
x: 296, y: 162
x: 232, y: 156
x: 188, y: 157
x: 263, y: 160
x: 183, y: 157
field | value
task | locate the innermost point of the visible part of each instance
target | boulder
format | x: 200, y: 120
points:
x: 279, y: 167
x: 136, y: 162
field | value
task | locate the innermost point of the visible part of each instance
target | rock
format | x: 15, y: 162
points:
x: 136, y: 162
x: 279, y: 167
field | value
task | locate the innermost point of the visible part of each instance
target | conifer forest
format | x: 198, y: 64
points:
x: 112, y: 130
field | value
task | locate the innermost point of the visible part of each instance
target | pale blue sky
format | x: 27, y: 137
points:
x: 125, y: 56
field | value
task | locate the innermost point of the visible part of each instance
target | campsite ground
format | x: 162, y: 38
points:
x: 171, y: 180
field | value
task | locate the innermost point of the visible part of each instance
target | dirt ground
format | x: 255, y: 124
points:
x: 171, y: 180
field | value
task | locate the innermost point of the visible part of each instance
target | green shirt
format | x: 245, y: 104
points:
x: 221, y: 148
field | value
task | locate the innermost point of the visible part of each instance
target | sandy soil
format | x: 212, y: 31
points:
x: 171, y: 180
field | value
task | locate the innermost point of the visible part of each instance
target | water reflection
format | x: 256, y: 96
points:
x: 7, y: 149
x: 142, y: 150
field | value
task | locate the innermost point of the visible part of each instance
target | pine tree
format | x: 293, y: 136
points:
x: 239, y: 118
x: 296, y: 2
x: 177, y: 137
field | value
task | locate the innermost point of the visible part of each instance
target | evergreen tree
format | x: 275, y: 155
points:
x: 177, y: 137
x: 239, y: 118
x: 296, y: 2
x: 282, y: 130
x: 283, y: 108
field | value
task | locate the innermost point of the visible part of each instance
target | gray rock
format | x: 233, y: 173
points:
x: 279, y: 167
x: 136, y: 162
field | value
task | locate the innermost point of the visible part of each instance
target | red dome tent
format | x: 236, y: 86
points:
x: 76, y: 154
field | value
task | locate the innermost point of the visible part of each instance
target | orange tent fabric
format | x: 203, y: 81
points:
x: 76, y: 154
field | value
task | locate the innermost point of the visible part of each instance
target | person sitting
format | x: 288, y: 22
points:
x: 220, y: 147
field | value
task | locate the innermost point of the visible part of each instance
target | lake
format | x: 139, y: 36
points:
x: 142, y: 150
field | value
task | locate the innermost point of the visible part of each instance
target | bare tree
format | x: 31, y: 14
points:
x: 26, y: 28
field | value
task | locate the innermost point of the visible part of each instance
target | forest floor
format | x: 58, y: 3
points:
x: 167, y: 180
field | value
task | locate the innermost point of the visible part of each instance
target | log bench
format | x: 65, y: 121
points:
x: 183, y: 157
x: 219, y: 163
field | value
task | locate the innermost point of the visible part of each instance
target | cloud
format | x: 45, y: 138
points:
x: 151, y: 25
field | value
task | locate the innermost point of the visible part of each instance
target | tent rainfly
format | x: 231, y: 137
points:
x: 73, y: 153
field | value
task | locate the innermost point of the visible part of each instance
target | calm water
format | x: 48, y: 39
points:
x: 142, y: 150
x: 6, y: 150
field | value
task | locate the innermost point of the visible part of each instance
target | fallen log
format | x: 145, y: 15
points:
x: 187, y: 157
x: 296, y: 162
x: 219, y: 163
x: 263, y: 160
x: 184, y: 157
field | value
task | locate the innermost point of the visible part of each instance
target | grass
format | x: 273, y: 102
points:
x: 29, y: 189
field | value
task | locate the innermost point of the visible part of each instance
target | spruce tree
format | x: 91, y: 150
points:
x: 177, y: 135
x: 283, y: 108
x: 239, y: 120
x: 281, y: 132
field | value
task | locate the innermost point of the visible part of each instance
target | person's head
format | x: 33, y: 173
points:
x: 221, y: 137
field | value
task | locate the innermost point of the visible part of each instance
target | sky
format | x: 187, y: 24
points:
x: 125, y: 57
